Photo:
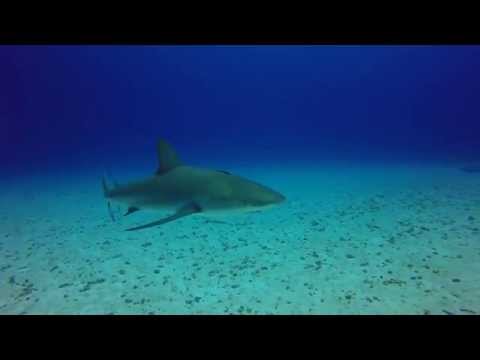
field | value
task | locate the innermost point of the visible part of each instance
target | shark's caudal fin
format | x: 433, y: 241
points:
x: 167, y: 157
x: 106, y: 192
x: 108, y: 174
x: 105, y: 188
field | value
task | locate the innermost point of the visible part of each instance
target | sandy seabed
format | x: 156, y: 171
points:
x: 349, y: 240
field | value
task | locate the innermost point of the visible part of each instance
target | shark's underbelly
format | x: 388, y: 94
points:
x: 159, y: 202
x: 177, y: 200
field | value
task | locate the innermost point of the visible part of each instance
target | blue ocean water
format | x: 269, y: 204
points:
x: 366, y: 142
x: 77, y: 103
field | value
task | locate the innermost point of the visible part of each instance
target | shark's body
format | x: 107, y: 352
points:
x: 471, y: 168
x: 191, y: 190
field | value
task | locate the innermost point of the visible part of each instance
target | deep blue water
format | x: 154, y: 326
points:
x: 94, y: 106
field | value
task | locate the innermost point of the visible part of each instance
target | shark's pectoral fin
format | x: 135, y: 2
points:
x: 130, y: 210
x: 187, y: 209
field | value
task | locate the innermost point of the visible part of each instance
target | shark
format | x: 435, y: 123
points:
x: 475, y: 168
x: 187, y: 190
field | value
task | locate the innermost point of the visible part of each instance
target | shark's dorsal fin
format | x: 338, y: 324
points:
x: 167, y: 157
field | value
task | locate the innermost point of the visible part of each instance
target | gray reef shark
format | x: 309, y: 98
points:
x: 475, y: 168
x: 189, y: 190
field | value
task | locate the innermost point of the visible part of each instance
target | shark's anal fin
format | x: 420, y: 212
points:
x: 130, y: 210
x: 188, y: 209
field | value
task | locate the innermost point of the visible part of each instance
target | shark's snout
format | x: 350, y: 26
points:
x: 273, y: 197
x: 269, y: 198
x: 280, y: 198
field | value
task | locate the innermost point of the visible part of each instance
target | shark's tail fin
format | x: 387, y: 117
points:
x: 106, y: 192
x: 106, y: 189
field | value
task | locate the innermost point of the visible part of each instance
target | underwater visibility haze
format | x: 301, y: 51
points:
x: 253, y: 179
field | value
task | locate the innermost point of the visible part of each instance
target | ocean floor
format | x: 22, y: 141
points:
x: 349, y: 240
